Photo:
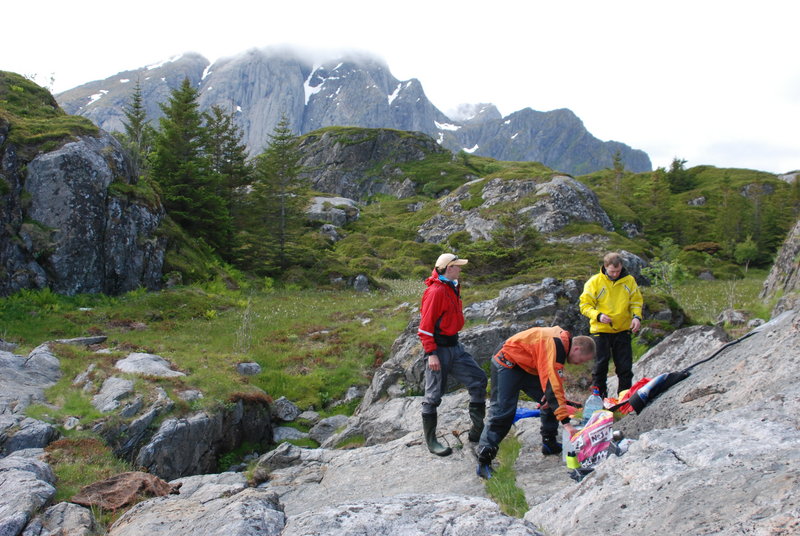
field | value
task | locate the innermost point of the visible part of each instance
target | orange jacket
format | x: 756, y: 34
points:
x: 543, y: 353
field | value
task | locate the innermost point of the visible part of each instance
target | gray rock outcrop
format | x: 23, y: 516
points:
x: 783, y: 280
x: 706, y: 449
x: 147, y: 365
x: 192, y: 445
x: 71, y: 226
x: 358, y: 163
x: 26, y: 486
x: 337, y: 211
x: 218, y: 504
x: 63, y: 518
x: 547, y: 204
x: 20, y: 433
x: 24, y: 379
x: 314, y: 479
x: 112, y: 392
x: 411, y: 514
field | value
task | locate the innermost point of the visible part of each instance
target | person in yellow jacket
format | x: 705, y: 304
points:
x: 532, y: 361
x: 613, y: 303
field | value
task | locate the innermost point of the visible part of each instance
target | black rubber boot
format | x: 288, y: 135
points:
x: 477, y: 411
x: 550, y: 446
x: 485, y: 456
x: 429, y: 427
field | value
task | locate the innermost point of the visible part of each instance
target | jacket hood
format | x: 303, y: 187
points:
x: 622, y: 274
x: 433, y: 278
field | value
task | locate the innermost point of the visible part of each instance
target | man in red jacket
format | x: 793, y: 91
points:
x: 531, y: 361
x: 442, y: 317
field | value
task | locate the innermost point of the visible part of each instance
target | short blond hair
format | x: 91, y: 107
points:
x: 612, y: 259
x: 585, y: 345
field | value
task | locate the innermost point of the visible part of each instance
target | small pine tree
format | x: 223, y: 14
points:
x: 138, y: 132
x: 731, y: 217
x: 619, y: 170
x: 680, y: 180
x: 657, y: 207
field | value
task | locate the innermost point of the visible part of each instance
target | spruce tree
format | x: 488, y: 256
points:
x: 619, y: 170
x: 272, y: 217
x: 138, y: 132
x: 226, y: 152
x: 731, y: 217
x: 657, y: 207
x: 190, y: 188
x: 680, y: 180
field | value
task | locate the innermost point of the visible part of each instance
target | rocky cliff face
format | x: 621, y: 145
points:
x: 783, y: 281
x: 261, y: 86
x: 345, y: 162
x: 72, y: 221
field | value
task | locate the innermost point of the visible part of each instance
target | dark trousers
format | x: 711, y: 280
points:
x: 506, y: 386
x: 455, y: 361
x: 616, y: 346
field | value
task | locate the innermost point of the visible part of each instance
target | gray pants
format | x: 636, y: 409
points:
x: 461, y: 365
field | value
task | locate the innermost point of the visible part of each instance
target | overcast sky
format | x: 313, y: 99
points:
x: 709, y: 81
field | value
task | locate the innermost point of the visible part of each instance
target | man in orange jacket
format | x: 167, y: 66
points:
x: 532, y: 361
x: 441, y: 318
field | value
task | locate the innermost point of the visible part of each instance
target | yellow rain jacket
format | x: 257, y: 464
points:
x: 620, y: 299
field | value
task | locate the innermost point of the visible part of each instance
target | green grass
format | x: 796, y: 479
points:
x: 80, y: 461
x: 502, y: 487
x: 312, y: 345
x: 703, y: 301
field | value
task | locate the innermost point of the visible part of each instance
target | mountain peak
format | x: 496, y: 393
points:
x: 315, y: 89
x: 475, y: 113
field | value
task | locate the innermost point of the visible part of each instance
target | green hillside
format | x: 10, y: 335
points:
x: 34, y: 119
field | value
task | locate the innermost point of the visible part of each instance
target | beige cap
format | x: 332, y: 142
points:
x: 448, y: 259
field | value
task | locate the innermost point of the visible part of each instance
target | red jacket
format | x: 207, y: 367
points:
x: 542, y: 352
x: 441, y: 312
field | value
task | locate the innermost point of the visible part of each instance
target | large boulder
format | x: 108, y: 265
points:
x: 23, y: 379
x: 192, y: 445
x: 546, y: 204
x: 337, y: 211
x: 75, y: 222
x: 63, y: 518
